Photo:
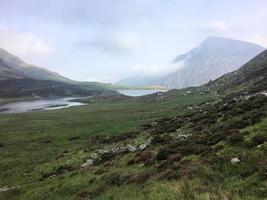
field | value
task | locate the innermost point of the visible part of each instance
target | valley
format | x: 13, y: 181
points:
x: 195, y: 143
x: 133, y: 100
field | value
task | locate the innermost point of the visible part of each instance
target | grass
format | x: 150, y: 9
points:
x: 41, y: 153
x: 34, y: 145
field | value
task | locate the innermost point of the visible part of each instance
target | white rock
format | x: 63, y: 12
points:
x: 143, y: 146
x: 6, y: 188
x: 87, y: 164
x: 130, y: 148
x: 235, y: 160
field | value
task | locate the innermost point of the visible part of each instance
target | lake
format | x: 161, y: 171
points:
x: 137, y: 93
x: 38, y: 105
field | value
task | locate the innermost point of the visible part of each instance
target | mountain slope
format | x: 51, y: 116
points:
x: 213, y: 58
x: 250, y: 78
x: 11, y: 67
x: 18, y: 79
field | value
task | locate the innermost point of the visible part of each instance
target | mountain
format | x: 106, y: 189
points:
x: 213, y: 58
x: 251, y: 78
x: 18, y: 79
x: 12, y: 67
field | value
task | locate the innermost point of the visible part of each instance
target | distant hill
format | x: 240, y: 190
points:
x: 12, y: 67
x: 213, y: 58
x: 17, y: 88
x: 18, y: 79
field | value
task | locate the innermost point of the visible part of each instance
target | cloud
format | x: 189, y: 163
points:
x: 216, y: 26
x: 158, y: 70
x: 257, y: 38
x: 112, y: 43
x: 25, y: 45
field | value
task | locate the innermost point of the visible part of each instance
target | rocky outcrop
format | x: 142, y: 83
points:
x: 101, y: 154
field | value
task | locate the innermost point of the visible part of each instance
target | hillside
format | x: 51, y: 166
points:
x: 189, y: 144
x: 21, y: 80
x: 11, y: 67
x: 18, y: 88
x: 250, y: 78
x: 213, y: 58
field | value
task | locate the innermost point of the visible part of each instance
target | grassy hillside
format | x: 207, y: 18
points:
x: 31, y: 88
x: 194, y: 137
x: 206, y: 143
x: 12, y: 67
x: 34, y: 145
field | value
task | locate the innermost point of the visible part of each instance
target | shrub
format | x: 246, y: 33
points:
x: 144, y: 157
x: 163, y: 153
x: 259, y: 139
x: 236, y: 139
x: 116, y: 179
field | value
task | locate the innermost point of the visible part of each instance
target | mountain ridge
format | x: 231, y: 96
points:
x: 214, y: 57
x: 12, y: 67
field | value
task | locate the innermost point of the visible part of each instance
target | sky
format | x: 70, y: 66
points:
x: 107, y: 40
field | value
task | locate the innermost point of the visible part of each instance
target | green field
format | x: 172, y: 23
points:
x: 35, y: 144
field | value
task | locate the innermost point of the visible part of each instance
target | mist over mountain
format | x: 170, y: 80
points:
x: 213, y: 58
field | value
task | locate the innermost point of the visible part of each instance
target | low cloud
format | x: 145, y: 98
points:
x: 260, y: 39
x: 216, y: 26
x: 112, y: 44
x: 158, y: 70
x: 25, y: 45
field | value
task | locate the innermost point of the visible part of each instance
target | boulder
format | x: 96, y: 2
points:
x: 87, y: 164
x: 6, y: 188
x: 130, y: 148
x: 235, y: 160
x: 145, y: 145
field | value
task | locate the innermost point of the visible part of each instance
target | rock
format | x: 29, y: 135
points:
x: 102, y: 151
x: 87, y: 164
x: 94, y: 156
x: 6, y: 188
x: 183, y: 136
x: 130, y: 148
x: 145, y: 145
x: 118, y: 149
x: 154, y: 123
x: 235, y: 160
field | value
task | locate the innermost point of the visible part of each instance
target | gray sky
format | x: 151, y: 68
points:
x: 106, y: 40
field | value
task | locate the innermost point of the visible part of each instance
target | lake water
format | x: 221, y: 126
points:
x: 37, y: 105
x: 137, y: 93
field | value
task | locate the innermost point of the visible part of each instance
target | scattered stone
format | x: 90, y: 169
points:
x: 6, y: 188
x: 154, y: 123
x: 183, y: 136
x: 235, y: 160
x: 118, y: 149
x: 130, y: 148
x: 87, y: 164
x: 102, y: 151
x: 145, y: 145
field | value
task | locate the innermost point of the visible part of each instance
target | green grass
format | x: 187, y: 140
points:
x: 34, y: 144
x: 37, y: 149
